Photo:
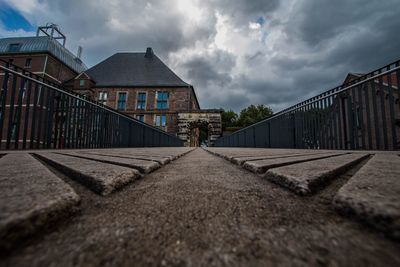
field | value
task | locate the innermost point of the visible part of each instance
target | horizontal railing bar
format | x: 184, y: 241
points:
x: 84, y: 100
x: 320, y: 97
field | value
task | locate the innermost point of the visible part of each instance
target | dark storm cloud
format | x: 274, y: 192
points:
x: 104, y: 28
x: 331, y: 38
x: 243, y: 10
x: 325, y: 41
x: 210, y: 69
x: 298, y: 48
x: 316, y: 21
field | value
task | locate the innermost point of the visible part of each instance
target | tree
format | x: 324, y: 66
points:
x: 229, y: 119
x: 253, y: 114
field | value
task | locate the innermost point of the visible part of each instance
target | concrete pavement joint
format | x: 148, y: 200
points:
x: 91, y: 179
x: 253, y: 167
x: 218, y: 214
x: 309, y: 185
x: 31, y: 199
x: 372, y: 195
x: 141, y: 169
x: 131, y: 157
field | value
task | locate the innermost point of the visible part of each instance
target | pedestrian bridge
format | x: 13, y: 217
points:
x: 84, y: 185
x: 219, y: 206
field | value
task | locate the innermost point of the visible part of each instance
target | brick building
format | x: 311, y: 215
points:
x: 137, y: 84
x: 46, y: 58
x: 44, y: 54
x: 140, y: 85
x: 373, y: 117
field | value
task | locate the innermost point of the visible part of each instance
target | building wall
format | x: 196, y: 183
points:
x: 189, y: 124
x: 43, y: 64
x: 58, y: 70
x: 180, y: 99
x: 372, y: 117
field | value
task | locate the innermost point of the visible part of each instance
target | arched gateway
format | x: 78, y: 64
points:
x: 199, y: 126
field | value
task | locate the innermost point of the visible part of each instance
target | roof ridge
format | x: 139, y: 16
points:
x: 134, y: 69
x: 162, y: 62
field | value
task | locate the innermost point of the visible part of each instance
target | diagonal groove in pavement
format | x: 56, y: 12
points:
x: 113, y: 162
x: 201, y: 210
x: 126, y: 157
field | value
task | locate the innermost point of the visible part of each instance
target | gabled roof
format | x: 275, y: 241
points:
x: 44, y: 44
x: 352, y: 76
x: 134, y: 70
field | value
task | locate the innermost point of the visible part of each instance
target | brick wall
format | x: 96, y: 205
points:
x: 180, y: 99
x: 54, y: 69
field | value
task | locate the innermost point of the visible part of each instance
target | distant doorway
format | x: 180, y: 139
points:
x: 199, y: 128
x: 199, y: 134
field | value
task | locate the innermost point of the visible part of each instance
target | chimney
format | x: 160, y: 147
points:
x: 149, y: 53
x: 79, y: 54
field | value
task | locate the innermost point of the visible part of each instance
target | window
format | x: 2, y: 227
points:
x: 103, y: 98
x: 81, y: 83
x: 140, y: 117
x: 162, y: 100
x: 121, y: 105
x: 28, y: 63
x: 161, y: 120
x: 14, y: 47
x: 141, y: 101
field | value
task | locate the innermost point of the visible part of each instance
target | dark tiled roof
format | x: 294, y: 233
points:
x: 44, y: 44
x: 134, y: 69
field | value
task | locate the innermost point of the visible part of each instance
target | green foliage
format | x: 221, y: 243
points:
x: 229, y: 119
x: 248, y: 116
x: 253, y: 114
x: 232, y: 129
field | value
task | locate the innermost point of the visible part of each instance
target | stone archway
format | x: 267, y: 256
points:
x: 190, y: 124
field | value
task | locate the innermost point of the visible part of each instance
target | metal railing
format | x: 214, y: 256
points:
x: 37, y: 114
x: 361, y: 114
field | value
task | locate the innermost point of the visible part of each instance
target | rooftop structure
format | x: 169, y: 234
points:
x: 134, y: 70
x: 45, y: 43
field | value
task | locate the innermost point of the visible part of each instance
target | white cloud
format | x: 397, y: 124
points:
x: 234, y: 52
x: 254, y: 26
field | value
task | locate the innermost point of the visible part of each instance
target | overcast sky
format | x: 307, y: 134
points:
x: 234, y: 52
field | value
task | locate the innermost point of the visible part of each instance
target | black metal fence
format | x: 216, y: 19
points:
x: 36, y: 114
x: 361, y: 114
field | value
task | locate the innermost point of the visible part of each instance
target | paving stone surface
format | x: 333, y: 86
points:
x: 202, y: 210
x: 306, y: 177
x: 243, y: 159
x: 159, y: 152
x: 144, y: 166
x: 261, y: 166
x: 31, y: 197
x: 102, y: 178
x: 162, y: 160
x: 230, y: 153
x: 373, y: 194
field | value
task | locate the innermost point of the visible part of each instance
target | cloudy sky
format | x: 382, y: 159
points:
x: 234, y: 52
